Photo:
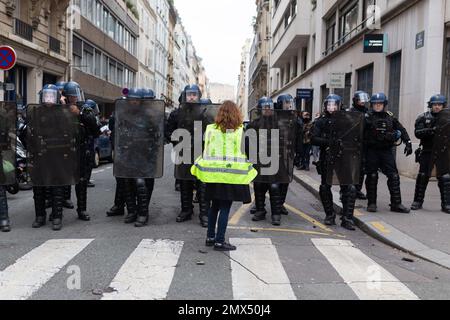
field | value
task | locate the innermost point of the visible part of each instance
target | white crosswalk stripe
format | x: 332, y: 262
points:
x: 148, y: 272
x: 257, y: 272
x: 23, y: 278
x: 364, y: 276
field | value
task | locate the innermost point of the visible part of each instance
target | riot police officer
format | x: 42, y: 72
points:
x: 323, y: 136
x: 138, y: 190
x: 425, y: 130
x: 262, y: 185
x: 361, y: 100
x: 380, y: 137
x: 90, y: 157
x: 88, y: 127
x: 190, y: 99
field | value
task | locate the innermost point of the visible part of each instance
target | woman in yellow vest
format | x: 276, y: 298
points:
x: 225, y: 170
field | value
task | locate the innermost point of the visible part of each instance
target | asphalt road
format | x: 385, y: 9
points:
x: 105, y: 258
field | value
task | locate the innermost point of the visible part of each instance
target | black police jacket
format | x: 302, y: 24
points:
x: 424, y: 130
x: 380, y: 129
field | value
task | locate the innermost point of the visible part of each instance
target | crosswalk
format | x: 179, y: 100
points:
x: 258, y: 270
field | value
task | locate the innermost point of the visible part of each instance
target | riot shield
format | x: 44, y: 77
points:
x: 193, y: 118
x: 53, y: 145
x: 139, y: 134
x: 8, y: 117
x: 441, y: 146
x: 345, y: 152
x: 276, y: 135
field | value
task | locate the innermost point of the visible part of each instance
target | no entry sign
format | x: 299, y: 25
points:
x: 7, y: 58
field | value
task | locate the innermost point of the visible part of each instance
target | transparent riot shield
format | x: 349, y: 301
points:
x: 441, y: 146
x: 276, y: 134
x: 345, y: 152
x: 8, y: 117
x: 139, y: 134
x: 193, y: 118
x: 53, y: 145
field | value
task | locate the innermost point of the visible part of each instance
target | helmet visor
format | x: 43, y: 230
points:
x: 192, y: 96
x: 288, y: 104
x: 331, y: 105
x: 363, y: 97
x: 49, y: 96
x: 267, y: 105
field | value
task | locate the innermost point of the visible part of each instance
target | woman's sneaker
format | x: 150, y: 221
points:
x: 224, y: 247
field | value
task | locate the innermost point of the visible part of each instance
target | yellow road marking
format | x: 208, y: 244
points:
x: 380, y: 227
x: 308, y: 218
x: 286, y: 230
x: 240, y: 212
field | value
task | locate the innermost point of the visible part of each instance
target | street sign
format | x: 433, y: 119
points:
x: 375, y: 43
x: 420, y: 40
x: 337, y: 80
x: 305, y: 94
x: 7, y: 58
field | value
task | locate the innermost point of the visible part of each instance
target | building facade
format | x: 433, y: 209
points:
x: 219, y: 92
x: 146, y: 45
x: 104, y: 50
x: 38, y: 33
x: 243, y: 83
x: 310, y: 40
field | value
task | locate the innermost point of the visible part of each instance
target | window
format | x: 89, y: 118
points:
x: 105, y: 20
x: 112, y: 71
x: 349, y: 21
x: 98, y: 11
x: 331, y: 33
x: 119, y: 75
x: 88, y: 58
x: 105, y: 65
x: 98, y: 63
x: 112, y: 26
x: 89, y: 9
x: 365, y: 79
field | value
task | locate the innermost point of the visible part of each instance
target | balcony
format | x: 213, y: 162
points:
x: 23, y: 30
x: 293, y: 38
x: 54, y: 44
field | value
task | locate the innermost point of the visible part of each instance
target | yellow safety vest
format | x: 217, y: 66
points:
x: 223, y: 161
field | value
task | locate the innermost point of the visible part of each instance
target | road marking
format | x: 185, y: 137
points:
x: 284, y: 230
x: 380, y: 227
x: 29, y: 273
x: 98, y: 171
x: 240, y: 212
x: 257, y: 273
x: 147, y: 273
x: 308, y: 218
x: 364, y: 276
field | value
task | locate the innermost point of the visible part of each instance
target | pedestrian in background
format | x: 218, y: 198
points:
x: 225, y: 170
x: 306, y: 150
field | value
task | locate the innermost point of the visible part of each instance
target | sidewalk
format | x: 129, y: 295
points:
x: 424, y: 233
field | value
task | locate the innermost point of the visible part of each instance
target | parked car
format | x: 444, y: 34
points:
x: 103, y: 147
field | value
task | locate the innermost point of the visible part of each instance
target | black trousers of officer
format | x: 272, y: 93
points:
x: 138, y: 193
x: 119, y: 196
x: 348, y: 197
x: 383, y: 159
x: 276, y: 198
x: 187, y: 196
x: 81, y: 187
x: 423, y: 179
x: 4, y: 219
x: 56, y: 195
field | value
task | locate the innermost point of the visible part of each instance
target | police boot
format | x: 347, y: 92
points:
x: 444, y: 187
x: 396, y: 197
x: 57, y: 209
x: 67, y: 203
x: 371, y: 186
x: 130, y: 199
x: 253, y: 210
x: 119, y: 200
x: 276, y: 201
x: 421, y: 187
x: 81, y: 191
x: 142, y: 203
x: 203, y: 205
x: 39, y: 206
x: 187, y: 189
x: 284, y: 187
x: 348, y: 207
x: 4, y: 219
x: 327, y: 201
x: 177, y: 185
x: 260, y: 198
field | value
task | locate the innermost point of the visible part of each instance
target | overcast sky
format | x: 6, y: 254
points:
x: 218, y: 29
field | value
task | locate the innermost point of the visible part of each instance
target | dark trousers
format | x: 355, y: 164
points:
x: 383, y: 159
x: 306, y: 156
x: 219, y: 209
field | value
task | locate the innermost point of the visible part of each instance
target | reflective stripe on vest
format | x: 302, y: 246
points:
x: 223, y: 161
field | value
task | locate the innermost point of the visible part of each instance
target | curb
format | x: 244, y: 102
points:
x: 380, y: 230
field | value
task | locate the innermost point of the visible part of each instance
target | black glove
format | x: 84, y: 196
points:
x: 408, y: 149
